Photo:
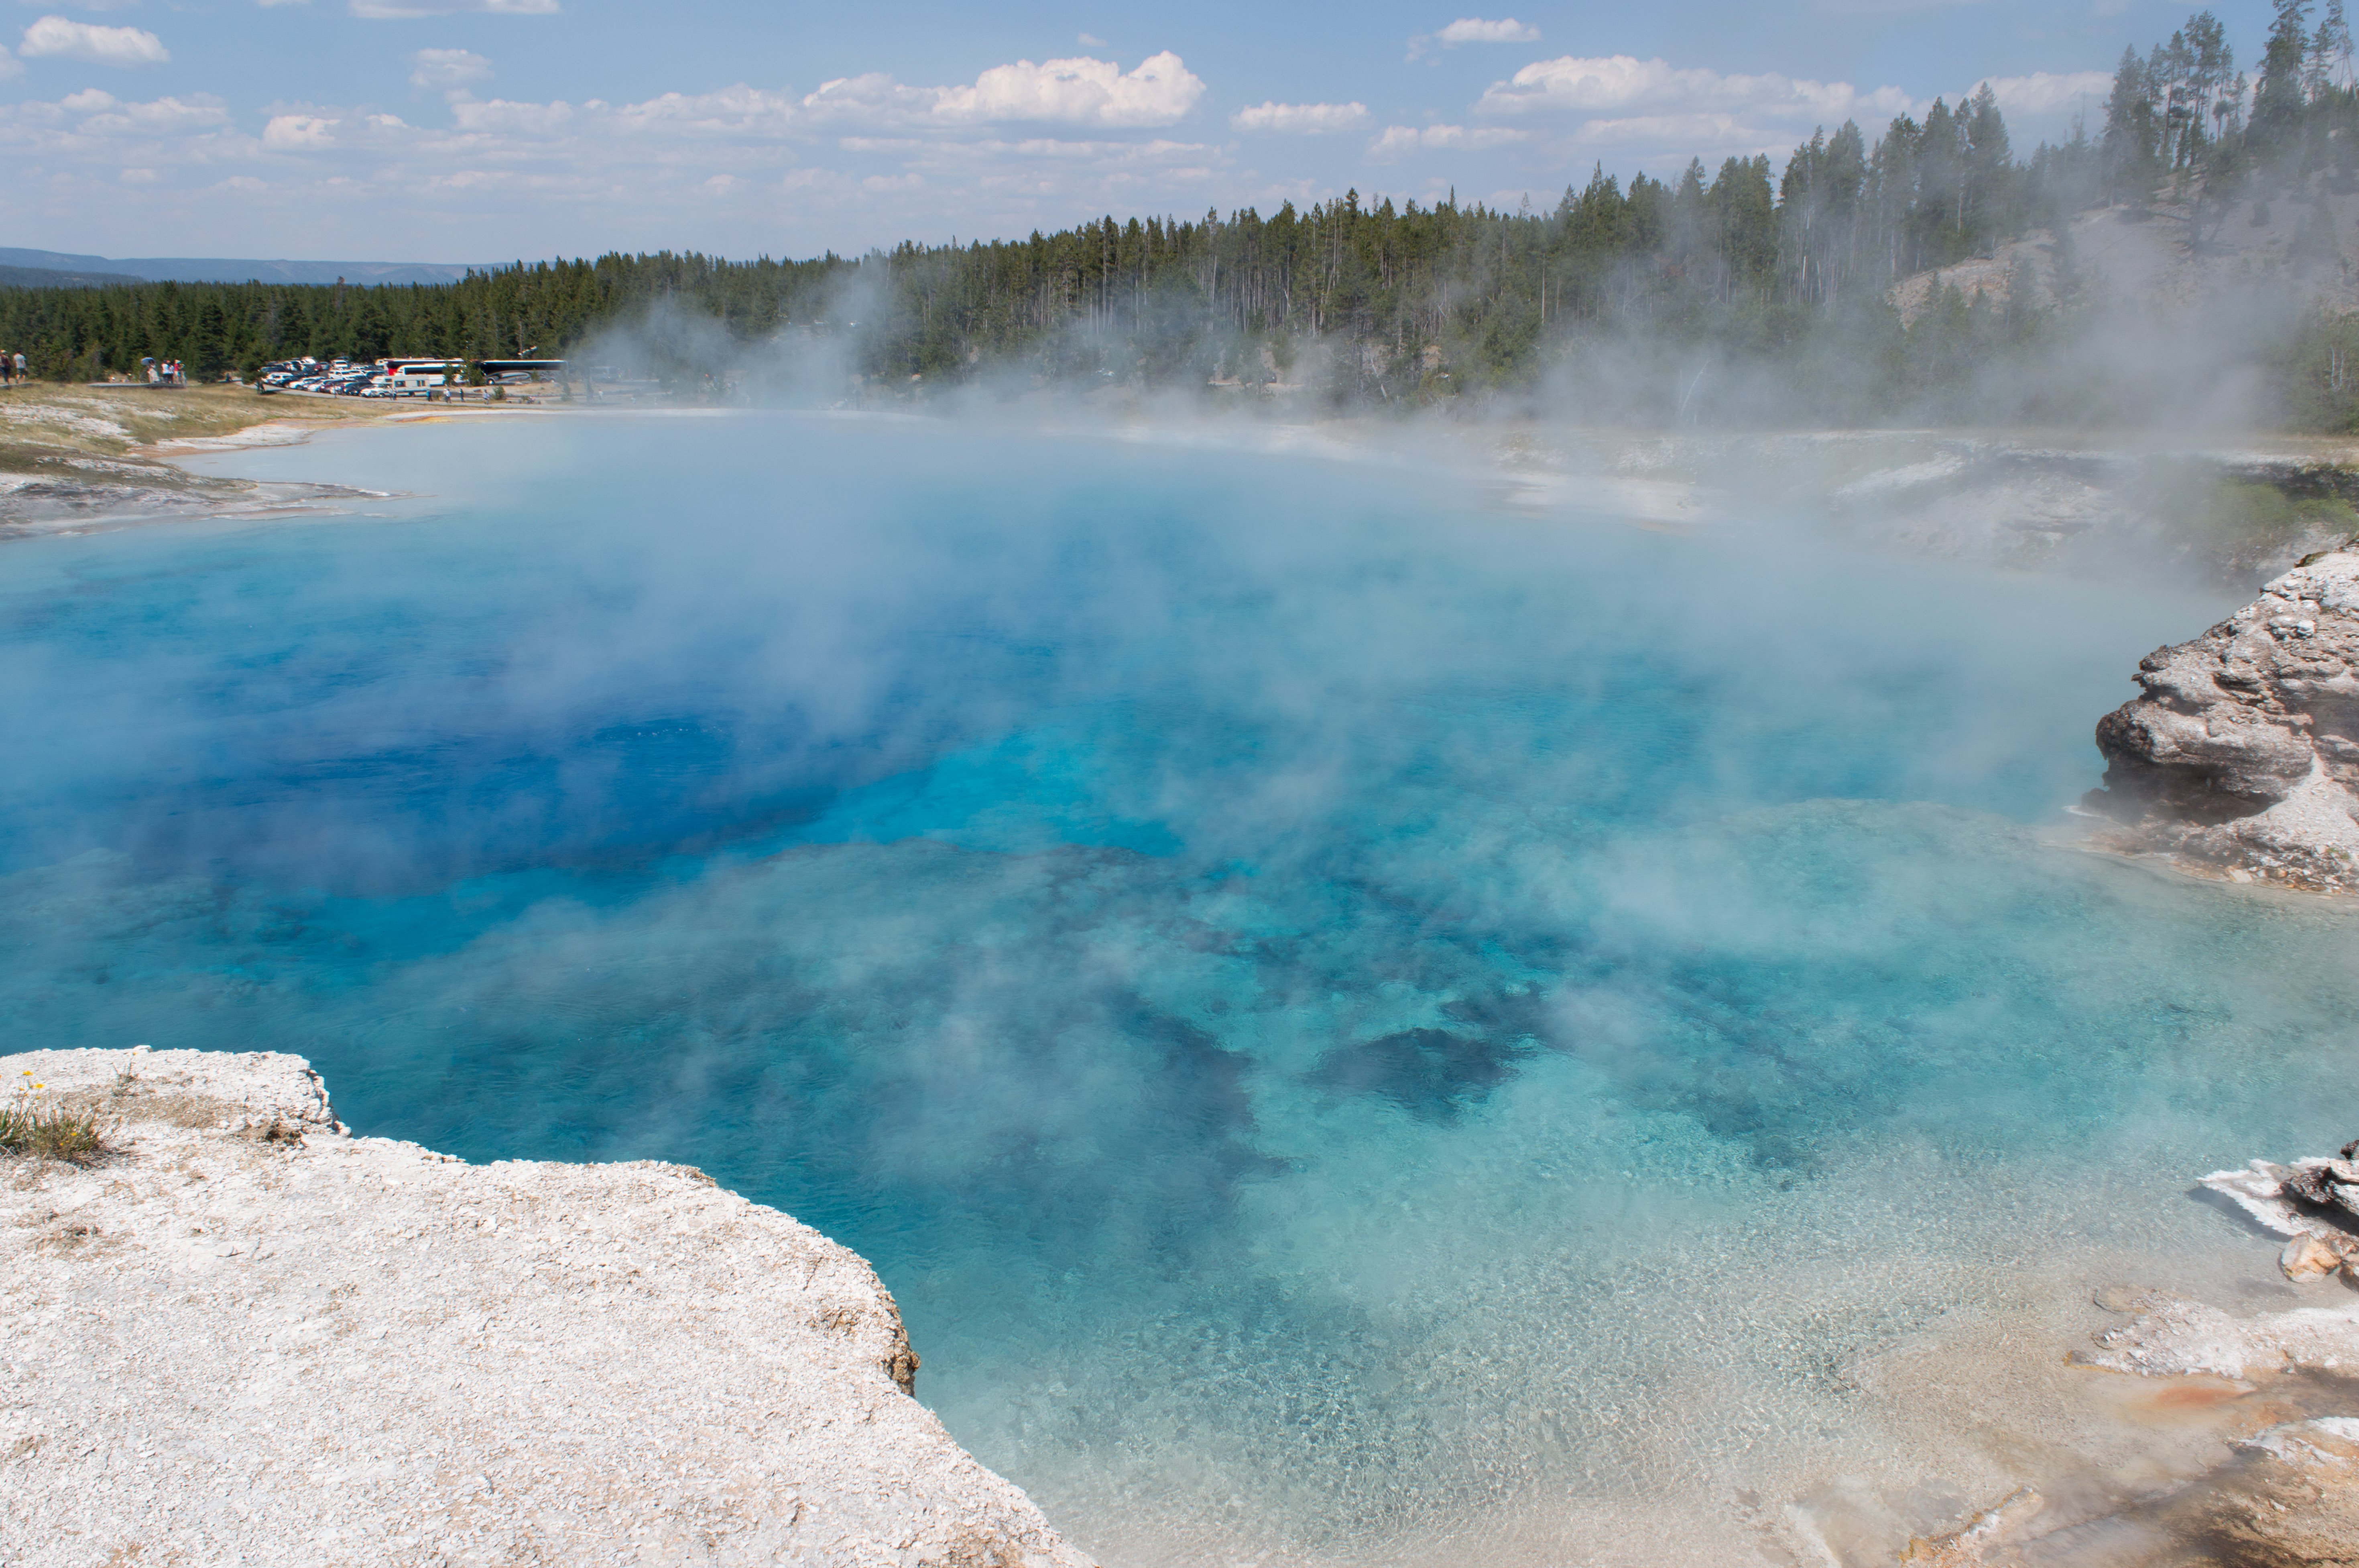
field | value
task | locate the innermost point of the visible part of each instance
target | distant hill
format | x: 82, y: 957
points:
x: 219, y: 269
x: 48, y: 277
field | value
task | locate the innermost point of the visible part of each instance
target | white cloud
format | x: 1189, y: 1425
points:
x: 269, y: 3
x: 872, y: 99
x: 946, y: 155
x: 2044, y: 93
x: 739, y: 111
x: 1698, y: 134
x: 164, y: 117
x: 55, y: 35
x: 1088, y: 40
x: 1021, y: 148
x: 731, y: 112
x: 403, y: 10
x: 1396, y: 142
x: 501, y: 117
x: 1618, y: 86
x: 9, y: 66
x: 298, y: 132
x: 448, y: 70
x: 1078, y: 92
x: 1300, y: 119
x: 1473, y: 30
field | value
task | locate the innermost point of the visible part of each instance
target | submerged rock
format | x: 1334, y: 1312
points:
x: 246, y: 1336
x: 2243, y: 754
x: 2307, y: 1258
x: 2289, y: 1497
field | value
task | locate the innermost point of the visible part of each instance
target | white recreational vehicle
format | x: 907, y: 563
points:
x: 403, y: 377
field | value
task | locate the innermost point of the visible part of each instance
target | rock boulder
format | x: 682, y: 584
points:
x: 2242, y: 752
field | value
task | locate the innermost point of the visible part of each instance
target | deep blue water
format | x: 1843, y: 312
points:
x: 1288, y: 974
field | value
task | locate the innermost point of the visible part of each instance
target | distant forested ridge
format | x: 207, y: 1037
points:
x: 1764, y: 266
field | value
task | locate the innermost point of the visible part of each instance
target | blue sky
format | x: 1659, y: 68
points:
x: 466, y: 130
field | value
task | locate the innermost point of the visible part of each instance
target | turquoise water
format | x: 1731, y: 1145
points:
x: 1345, y: 1019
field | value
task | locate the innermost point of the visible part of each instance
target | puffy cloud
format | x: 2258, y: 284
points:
x: 448, y: 70
x: 873, y: 99
x: 738, y: 111
x: 1016, y: 148
x: 946, y: 155
x: 1300, y: 119
x: 2044, y: 93
x: 299, y: 133
x: 1078, y: 92
x: 55, y: 35
x: 536, y: 121
x: 9, y: 66
x: 1618, y: 83
x: 1473, y: 30
x: 1396, y: 142
x: 403, y: 10
x: 163, y: 117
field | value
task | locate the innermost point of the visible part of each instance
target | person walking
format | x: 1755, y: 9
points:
x: 20, y: 366
x: 8, y: 368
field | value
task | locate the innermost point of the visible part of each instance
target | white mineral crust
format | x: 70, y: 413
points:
x: 251, y: 1339
x: 2176, y: 1337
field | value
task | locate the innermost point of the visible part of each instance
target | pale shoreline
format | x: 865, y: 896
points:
x: 2042, y: 499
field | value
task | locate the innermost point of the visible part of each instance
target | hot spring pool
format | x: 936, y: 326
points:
x: 1357, y: 1028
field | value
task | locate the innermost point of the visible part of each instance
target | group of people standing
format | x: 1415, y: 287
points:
x: 167, y: 372
x: 12, y: 367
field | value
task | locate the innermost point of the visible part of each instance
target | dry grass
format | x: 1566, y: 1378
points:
x: 115, y: 422
x: 69, y: 1134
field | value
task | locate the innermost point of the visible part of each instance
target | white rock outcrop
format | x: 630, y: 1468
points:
x: 2243, y: 754
x: 249, y: 1337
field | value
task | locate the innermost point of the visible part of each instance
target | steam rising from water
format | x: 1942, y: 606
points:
x: 1356, y: 1028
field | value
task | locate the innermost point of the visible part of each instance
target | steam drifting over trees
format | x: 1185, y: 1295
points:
x: 1396, y: 300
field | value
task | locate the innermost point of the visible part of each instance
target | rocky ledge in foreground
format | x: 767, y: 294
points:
x: 246, y: 1336
x: 2243, y: 754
